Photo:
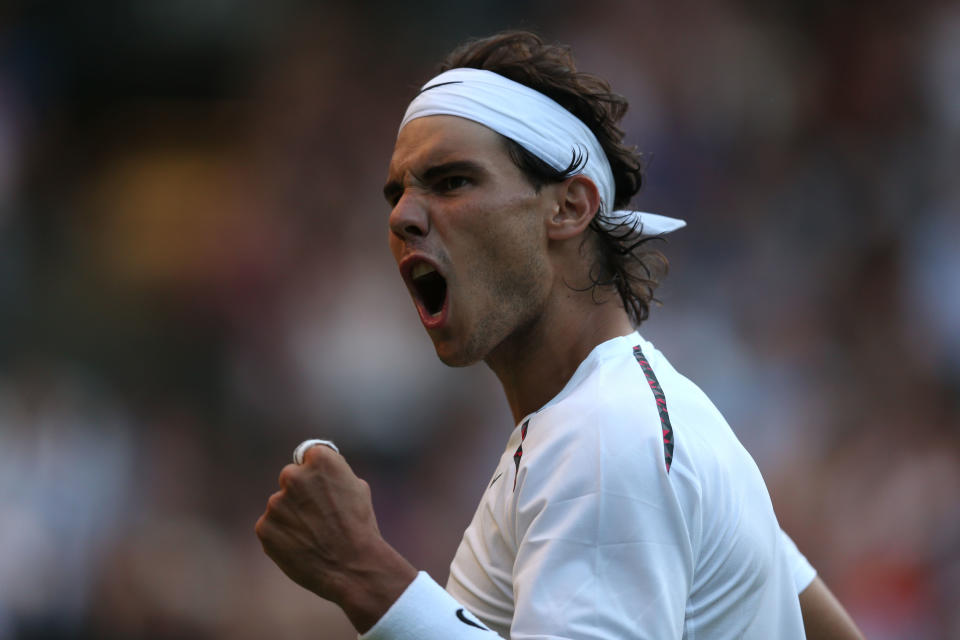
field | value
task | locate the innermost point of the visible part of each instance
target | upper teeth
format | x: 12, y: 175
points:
x: 421, y: 269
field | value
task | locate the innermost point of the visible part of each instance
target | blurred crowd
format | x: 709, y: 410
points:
x: 194, y: 277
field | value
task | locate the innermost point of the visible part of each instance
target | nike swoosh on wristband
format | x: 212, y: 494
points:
x: 462, y: 618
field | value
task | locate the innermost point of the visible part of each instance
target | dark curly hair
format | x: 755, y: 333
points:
x: 623, y: 261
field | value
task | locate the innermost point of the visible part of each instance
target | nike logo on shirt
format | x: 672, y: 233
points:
x: 497, y: 478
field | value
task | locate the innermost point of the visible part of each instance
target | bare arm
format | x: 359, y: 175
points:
x: 824, y: 618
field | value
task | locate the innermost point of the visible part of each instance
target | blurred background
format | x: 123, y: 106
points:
x: 194, y: 277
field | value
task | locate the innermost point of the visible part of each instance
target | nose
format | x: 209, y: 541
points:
x: 410, y: 217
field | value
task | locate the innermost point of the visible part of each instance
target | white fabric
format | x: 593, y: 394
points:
x: 597, y: 540
x: 536, y: 123
x: 426, y: 612
x: 803, y: 571
x: 301, y: 449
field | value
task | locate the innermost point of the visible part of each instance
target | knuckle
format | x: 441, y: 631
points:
x: 274, y: 504
x: 317, y: 455
x: 264, y: 530
x: 290, y: 477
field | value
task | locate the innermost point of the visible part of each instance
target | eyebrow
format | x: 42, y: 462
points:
x: 395, y: 187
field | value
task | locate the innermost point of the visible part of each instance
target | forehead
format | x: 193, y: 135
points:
x: 441, y: 138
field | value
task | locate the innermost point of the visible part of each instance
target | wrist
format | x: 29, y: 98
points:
x: 371, y: 590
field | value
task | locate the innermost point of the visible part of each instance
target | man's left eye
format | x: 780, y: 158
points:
x: 452, y: 182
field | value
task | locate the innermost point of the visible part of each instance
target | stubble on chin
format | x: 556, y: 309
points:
x: 502, y: 330
x: 478, y: 342
x: 454, y: 358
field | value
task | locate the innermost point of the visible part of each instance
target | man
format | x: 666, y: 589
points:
x: 623, y: 505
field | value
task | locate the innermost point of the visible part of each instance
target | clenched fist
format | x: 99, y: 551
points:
x: 321, y: 531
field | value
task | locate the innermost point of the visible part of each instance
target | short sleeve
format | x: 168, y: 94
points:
x: 801, y: 569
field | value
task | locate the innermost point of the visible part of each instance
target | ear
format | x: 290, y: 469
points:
x: 577, y: 203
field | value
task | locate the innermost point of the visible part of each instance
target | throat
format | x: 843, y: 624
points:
x: 531, y: 370
x: 535, y: 363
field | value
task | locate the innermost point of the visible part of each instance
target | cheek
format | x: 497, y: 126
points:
x: 521, y: 231
x: 512, y: 211
x: 513, y: 254
x: 492, y: 234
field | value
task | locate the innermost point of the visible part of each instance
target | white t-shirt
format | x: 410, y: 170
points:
x: 623, y: 508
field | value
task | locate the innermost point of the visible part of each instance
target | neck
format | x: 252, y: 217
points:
x: 535, y: 363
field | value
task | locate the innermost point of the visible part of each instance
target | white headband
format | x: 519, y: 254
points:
x: 536, y: 123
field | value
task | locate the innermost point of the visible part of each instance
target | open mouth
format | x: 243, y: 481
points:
x: 429, y: 287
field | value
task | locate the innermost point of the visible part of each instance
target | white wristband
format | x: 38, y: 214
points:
x: 425, y: 611
x: 301, y: 449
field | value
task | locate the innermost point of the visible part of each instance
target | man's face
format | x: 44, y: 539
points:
x: 467, y: 231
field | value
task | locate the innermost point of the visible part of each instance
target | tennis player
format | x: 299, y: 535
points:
x: 623, y: 505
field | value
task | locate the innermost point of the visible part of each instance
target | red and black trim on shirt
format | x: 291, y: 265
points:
x: 519, y: 452
x: 661, y: 405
